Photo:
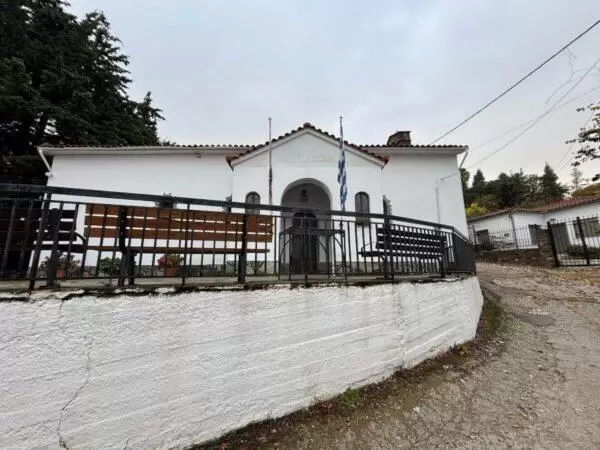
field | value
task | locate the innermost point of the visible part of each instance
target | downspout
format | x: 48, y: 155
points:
x: 437, y: 202
x: 49, y: 174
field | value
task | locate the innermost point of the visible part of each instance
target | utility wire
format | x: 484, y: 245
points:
x: 573, y: 145
x: 512, y: 130
x: 548, y: 111
x: 518, y: 82
x: 533, y: 124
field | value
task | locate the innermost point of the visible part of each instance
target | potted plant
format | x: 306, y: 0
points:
x: 110, y: 266
x: 66, y: 267
x: 169, y: 264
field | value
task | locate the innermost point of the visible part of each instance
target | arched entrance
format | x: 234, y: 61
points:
x: 304, y: 244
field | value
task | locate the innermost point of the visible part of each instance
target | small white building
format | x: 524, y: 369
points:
x: 515, y: 227
x: 414, y: 178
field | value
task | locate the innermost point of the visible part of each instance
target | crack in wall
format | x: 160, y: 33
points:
x: 88, y: 367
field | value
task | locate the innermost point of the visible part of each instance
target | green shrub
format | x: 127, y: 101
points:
x: 578, y: 252
x: 109, y: 266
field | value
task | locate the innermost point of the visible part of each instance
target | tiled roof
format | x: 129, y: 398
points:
x: 568, y: 203
x: 549, y: 207
x: 204, y: 146
x: 410, y: 146
x: 309, y: 126
x: 247, y: 148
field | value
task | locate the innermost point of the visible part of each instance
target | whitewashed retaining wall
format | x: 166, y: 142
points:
x: 170, y: 371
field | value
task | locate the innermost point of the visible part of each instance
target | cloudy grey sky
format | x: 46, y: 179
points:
x: 218, y: 69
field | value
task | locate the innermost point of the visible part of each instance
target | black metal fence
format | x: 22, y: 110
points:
x: 576, y: 242
x: 54, y: 233
x: 518, y: 238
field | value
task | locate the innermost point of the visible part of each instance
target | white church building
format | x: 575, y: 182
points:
x: 414, y: 179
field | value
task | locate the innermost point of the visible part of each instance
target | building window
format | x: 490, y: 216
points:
x: 361, y: 205
x: 254, y: 199
x: 590, y: 227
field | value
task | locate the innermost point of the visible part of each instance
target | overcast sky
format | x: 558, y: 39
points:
x: 218, y: 69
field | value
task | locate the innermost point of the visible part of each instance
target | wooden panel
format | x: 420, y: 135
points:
x: 405, y: 234
x: 151, y: 234
x: 175, y: 214
x: 162, y: 224
x: 173, y: 250
x: 410, y: 248
x: 31, y: 236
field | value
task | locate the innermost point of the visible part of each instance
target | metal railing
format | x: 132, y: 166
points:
x: 576, y: 242
x: 55, y: 234
x: 518, y: 238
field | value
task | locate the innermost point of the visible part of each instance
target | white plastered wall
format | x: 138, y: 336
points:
x: 156, y: 371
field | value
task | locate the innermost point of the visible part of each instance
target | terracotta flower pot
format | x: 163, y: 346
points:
x: 170, y: 271
x: 60, y: 273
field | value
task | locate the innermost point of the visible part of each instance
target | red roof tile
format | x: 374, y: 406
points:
x: 247, y: 148
x: 568, y: 203
x: 549, y: 207
x: 309, y: 126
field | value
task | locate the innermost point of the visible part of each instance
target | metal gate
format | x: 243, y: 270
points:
x: 576, y: 242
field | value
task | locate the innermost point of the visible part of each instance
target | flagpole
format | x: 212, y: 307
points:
x: 270, y: 166
x: 342, y: 169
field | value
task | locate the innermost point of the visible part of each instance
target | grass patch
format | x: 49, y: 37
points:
x: 492, y: 317
x: 349, y: 397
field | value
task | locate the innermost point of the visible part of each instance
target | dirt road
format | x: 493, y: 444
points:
x: 536, y: 384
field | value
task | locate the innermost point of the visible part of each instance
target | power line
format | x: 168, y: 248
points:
x: 548, y: 111
x: 512, y: 130
x: 533, y: 124
x: 573, y: 145
x: 518, y: 82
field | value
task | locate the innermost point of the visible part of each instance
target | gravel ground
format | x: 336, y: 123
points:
x: 535, y: 384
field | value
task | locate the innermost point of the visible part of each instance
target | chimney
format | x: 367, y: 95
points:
x: 399, y: 139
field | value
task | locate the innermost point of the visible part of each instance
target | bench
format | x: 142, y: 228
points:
x: 142, y: 230
x: 406, y: 244
x: 21, y: 234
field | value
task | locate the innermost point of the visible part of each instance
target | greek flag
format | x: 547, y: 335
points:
x: 342, y: 170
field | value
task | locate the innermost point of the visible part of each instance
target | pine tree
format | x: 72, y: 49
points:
x: 479, y: 185
x: 550, y: 188
x: 63, y: 81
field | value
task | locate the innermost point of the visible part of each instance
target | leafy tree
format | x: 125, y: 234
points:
x: 550, y: 188
x: 511, y: 190
x: 577, y: 180
x: 464, y: 178
x: 489, y: 202
x: 475, y: 209
x: 468, y: 195
x: 479, y: 185
x: 589, y: 138
x: 593, y: 190
x: 63, y: 81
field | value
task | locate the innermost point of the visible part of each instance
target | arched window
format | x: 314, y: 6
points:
x: 253, y: 198
x: 361, y: 204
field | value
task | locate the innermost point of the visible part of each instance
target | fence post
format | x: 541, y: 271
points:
x: 53, y: 222
x: 387, y: 233
x: 125, y: 267
x: 38, y: 243
x: 586, y: 254
x: 242, y: 260
x: 552, y: 244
